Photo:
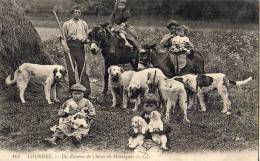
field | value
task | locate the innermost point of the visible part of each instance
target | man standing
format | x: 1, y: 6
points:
x: 75, y: 31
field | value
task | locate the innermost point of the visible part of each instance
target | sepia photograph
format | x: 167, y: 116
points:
x: 129, y: 80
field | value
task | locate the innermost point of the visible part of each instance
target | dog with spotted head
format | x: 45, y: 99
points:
x: 49, y: 75
x: 139, y: 84
x: 203, y: 83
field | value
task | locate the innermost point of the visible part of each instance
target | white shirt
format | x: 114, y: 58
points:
x: 75, y: 29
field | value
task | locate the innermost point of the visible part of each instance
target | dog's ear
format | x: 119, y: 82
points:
x: 179, y: 79
x: 122, y: 69
x: 55, y: 71
x: 148, y: 75
x: 140, y: 121
x: 109, y: 70
x: 63, y: 71
x: 204, y: 80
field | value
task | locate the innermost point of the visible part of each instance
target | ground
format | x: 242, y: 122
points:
x: 231, y: 50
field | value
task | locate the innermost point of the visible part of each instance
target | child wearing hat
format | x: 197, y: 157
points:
x: 119, y: 18
x: 151, y: 103
x: 71, y: 114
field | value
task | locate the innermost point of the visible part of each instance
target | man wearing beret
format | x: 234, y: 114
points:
x: 75, y: 31
x: 166, y: 40
x: 77, y: 104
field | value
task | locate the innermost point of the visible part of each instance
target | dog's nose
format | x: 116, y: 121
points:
x: 93, y: 51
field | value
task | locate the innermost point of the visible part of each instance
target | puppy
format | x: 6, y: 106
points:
x: 203, y: 83
x: 173, y: 92
x: 79, y: 120
x: 118, y: 82
x: 156, y: 123
x: 140, y: 127
x: 138, y: 84
x: 49, y: 74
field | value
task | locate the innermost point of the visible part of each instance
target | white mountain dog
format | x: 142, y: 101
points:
x: 119, y: 80
x: 140, y: 127
x: 173, y: 93
x: 156, y: 123
x: 49, y: 74
x: 138, y: 85
x: 203, y: 83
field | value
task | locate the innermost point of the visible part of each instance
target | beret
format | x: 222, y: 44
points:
x: 152, y: 98
x: 73, y: 8
x: 78, y: 87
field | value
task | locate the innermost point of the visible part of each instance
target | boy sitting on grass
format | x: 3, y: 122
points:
x: 150, y: 103
x: 76, y: 116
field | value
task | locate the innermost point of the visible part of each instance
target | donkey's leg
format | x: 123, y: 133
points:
x: 134, y: 63
x: 105, y: 89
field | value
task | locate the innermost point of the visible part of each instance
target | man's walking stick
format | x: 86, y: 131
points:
x: 64, y: 38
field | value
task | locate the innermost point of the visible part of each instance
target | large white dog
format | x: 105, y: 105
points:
x: 49, y: 74
x: 119, y: 80
x: 138, y: 84
x: 203, y: 83
x: 173, y: 92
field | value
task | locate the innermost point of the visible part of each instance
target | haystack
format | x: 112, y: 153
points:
x: 19, y: 41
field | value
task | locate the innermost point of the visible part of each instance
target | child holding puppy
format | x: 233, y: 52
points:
x: 150, y: 103
x: 76, y: 115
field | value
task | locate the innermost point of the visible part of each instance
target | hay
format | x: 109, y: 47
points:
x: 19, y: 41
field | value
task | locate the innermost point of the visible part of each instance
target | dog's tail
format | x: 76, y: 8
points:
x: 239, y: 83
x: 9, y: 80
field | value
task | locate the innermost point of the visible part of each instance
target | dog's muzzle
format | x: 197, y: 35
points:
x: 115, y: 78
x: 134, y: 93
x: 94, y: 48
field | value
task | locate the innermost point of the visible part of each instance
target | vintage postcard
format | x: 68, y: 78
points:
x: 129, y: 80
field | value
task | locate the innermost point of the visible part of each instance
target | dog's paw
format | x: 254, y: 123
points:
x: 164, y: 147
x: 50, y: 103
x: 202, y: 110
x: 226, y: 112
x: 134, y: 110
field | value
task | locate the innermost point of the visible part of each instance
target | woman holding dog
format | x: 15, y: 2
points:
x: 77, y: 107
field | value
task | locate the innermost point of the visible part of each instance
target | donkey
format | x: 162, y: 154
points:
x: 112, y: 49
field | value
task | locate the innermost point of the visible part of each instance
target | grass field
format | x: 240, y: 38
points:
x: 230, y: 49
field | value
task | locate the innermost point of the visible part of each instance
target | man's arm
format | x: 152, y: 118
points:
x: 165, y: 40
x: 65, y: 29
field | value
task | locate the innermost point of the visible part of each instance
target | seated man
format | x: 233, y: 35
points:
x: 150, y: 103
x: 166, y: 40
x: 76, y: 115
x: 177, y: 43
